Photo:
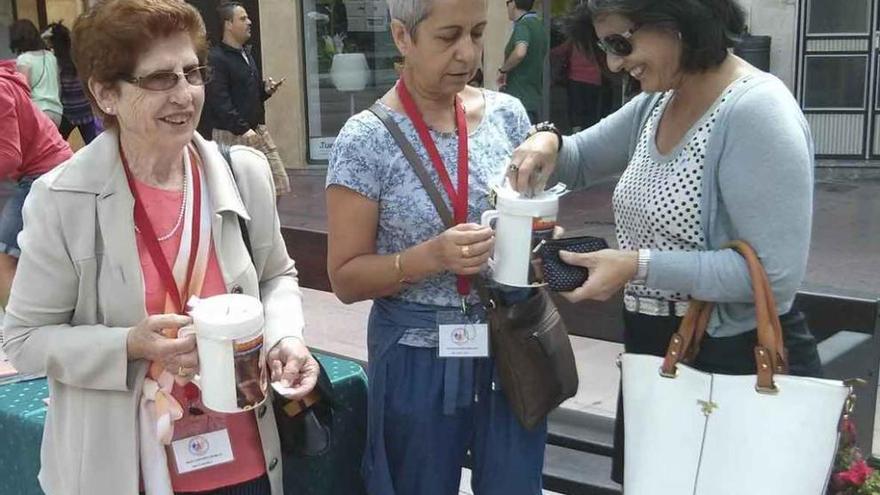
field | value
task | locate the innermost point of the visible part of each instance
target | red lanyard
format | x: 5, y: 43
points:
x: 143, y: 223
x: 458, y: 199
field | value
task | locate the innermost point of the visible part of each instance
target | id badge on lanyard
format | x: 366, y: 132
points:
x: 462, y: 335
x: 202, y: 451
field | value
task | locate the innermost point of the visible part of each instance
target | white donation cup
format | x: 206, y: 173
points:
x: 229, y: 335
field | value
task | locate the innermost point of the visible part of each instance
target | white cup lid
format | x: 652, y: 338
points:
x: 227, y: 316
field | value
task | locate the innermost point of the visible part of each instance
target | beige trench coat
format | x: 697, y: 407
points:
x: 79, y: 288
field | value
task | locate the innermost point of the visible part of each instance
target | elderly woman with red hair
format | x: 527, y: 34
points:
x: 96, y: 304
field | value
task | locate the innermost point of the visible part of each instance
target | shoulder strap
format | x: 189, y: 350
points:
x: 413, y: 158
x: 245, y: 235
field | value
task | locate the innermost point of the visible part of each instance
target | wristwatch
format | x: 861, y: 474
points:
x: 548, y: 127
x: 641, y: 277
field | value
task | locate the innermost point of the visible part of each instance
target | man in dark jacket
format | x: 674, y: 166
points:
x: 236, y: 92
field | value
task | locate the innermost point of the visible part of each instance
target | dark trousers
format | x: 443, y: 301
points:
x: 583, y: 104
x: 88, y: 131
x: 643, y: 334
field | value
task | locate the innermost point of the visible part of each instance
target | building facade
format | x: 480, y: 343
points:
x: 338, y: 57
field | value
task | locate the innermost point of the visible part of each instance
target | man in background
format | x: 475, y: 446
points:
x: 522, y: 73
x: 236, y: 92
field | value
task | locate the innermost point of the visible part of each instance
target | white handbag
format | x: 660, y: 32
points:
x: 691, y: 432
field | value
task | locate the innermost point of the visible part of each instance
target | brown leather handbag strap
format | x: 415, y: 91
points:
x: 770, y: 354
x: 433, y: 192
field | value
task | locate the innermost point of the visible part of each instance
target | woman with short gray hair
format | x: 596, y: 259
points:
x: 428, y: 409
x: 410, y: 12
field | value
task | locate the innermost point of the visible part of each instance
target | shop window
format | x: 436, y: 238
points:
x: 825, y: 89
x: 350, y: 63
x: 836, y: 17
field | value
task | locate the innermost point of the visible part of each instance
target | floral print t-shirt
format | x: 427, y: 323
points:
x: 366, y: 159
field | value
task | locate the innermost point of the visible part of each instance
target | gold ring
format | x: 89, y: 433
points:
x: 181, y: 371
x: 465, y: 251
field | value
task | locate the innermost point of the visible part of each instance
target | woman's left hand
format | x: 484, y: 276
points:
x: 610, y: 270
x: 293, y: 367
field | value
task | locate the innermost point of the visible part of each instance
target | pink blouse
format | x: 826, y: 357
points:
x: 163, y: 209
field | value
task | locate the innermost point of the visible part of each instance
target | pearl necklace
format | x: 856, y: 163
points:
x: 177, y: 225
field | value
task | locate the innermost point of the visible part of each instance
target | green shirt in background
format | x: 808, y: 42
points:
x: 526, y: 80
x: 42, y: 70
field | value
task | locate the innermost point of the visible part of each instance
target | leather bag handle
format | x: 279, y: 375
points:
x: 770, y: 354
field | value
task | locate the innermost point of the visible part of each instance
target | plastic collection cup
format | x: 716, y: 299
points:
x: 229, y: 335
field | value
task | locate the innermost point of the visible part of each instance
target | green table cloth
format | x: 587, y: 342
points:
x: 23, y: 413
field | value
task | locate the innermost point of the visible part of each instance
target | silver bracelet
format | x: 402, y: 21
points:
x: 641, y: 277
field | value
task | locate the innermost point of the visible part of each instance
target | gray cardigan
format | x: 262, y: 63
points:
x: 757, y: 186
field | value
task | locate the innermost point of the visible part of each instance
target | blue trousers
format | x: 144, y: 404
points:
x: 426, y: 448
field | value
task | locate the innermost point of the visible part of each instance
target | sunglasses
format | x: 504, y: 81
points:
x: 164, y: 80
x: 618, y: 44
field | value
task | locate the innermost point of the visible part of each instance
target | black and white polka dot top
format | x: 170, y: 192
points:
x: 658, y: 200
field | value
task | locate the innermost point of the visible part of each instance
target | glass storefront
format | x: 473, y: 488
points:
x: 350, y: 59
x: 350, y: 62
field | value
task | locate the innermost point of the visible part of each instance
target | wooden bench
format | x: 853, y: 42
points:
x: 579, y: 444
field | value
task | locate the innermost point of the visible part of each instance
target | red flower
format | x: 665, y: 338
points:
x: 856, y: 475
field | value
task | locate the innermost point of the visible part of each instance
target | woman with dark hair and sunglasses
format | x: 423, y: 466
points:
x: 713, y: 150
x: 115, y: 242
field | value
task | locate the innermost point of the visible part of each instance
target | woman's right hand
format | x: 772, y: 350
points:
x: 533, y: 162
x: 464, y: 249
x: 148, y: 341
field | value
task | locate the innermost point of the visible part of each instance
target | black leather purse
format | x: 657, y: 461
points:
x: 304, y: 426
x: 559, y: 275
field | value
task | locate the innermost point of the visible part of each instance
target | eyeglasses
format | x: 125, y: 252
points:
x: 618, y: 44
x: 164, y: 80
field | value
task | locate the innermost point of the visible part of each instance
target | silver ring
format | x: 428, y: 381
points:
x: 513, y: 167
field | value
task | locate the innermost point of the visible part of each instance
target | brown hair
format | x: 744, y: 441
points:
x: 110, y: 37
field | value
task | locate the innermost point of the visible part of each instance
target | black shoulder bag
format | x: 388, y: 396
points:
x: 304, y: 426
x: 529, y: 340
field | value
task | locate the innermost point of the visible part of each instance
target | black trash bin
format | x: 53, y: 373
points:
x: 755, y: 50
